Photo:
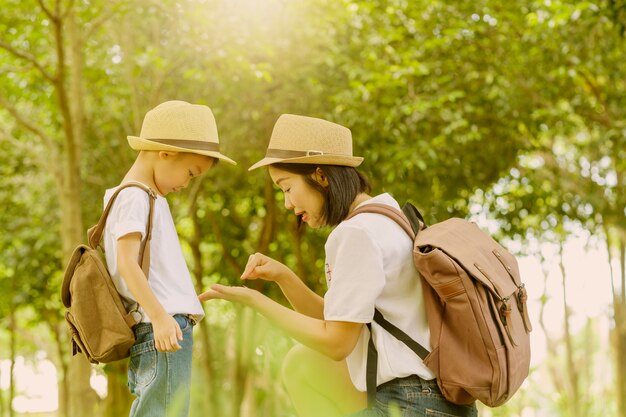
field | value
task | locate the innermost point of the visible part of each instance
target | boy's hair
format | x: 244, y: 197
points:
x: 344, y: 184
x: 215, y: 160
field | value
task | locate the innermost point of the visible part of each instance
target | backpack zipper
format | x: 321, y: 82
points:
x: 504, y: 310
x: 522, y: 295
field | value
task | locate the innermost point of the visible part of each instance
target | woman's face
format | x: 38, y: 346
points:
x: 304, y: 200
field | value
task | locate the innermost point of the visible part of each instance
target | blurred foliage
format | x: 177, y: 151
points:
x: 512, y: 110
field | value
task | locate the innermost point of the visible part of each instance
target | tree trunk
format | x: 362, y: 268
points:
x: 57, y: 330
x: 551, y: 344
x: 82, y: 399
x: 619, y: 308
x: 2, y: 403
x: 76, y: 88
x: 119, y: 399
x: 572, y: 371
x: 13, y: 354
x: 210, y: 401
x: 245, y: 335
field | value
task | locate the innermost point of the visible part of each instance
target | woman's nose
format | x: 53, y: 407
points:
x: 288, y: 204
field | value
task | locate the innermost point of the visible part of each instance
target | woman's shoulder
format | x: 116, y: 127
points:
x: 372, y: 225
x: 364, y: 222
x: 368, y: 219
x: 384, y: 198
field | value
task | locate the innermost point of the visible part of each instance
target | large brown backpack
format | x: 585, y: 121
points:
x: 100, y: 326
x: 476, y: 309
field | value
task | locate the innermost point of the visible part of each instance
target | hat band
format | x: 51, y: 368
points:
x: 285, y: 154
x: 196, y: 145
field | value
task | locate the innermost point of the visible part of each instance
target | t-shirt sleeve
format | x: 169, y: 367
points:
x: 355, y: 275
x: 130, y: 211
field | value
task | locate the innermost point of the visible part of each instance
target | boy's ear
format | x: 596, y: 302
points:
x: 167, y: 154
x: 320, y: 177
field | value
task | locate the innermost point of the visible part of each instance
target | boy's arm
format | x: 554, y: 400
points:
x: 166, y: 330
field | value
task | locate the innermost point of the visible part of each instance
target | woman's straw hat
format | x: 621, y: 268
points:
x: 179, y: 126
x: 307, y: 140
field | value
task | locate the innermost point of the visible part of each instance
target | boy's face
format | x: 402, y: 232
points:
x: 174, y: 170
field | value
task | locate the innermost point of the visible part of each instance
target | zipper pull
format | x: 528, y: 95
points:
x: 505, y: 315
x: 522, y: 297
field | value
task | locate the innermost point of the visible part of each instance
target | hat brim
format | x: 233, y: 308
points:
x: 141, y: 144
x: 350, y: 161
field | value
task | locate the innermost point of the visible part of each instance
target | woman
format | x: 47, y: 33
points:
x: 368, y: 266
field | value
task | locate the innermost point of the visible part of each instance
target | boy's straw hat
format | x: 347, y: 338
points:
x: 179, y: 126
x: 307, y: 140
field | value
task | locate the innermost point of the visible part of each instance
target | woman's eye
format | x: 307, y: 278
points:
x: 190, y: 173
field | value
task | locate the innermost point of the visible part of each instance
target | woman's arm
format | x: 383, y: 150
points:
x: 301, y: 297
x: 335, y: 339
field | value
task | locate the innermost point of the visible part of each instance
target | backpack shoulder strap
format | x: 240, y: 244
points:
x: 407, y: 223
x: 419, y: 350
x: 94, y: 234
x: 386, y: 210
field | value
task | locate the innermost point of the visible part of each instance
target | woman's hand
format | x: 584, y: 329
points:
x: 242, y: 295
x: 263, y: 267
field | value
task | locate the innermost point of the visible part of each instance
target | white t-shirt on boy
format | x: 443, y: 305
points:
x: 169, y: 276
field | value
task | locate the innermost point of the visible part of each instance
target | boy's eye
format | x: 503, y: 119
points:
x: 190, y: 173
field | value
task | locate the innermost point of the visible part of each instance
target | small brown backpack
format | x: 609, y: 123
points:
x: 100, y: 326
x: 476, y: 309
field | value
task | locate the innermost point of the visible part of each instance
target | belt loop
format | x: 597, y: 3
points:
x: 426, y: 389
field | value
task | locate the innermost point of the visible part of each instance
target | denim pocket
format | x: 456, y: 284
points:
x: 143, y: 365
x: 183, y: 322
x: 451, y: 410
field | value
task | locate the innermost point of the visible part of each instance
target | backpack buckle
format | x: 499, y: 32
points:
x: 136, y: 314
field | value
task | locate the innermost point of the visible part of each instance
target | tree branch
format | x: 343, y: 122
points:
x: 103, y: 16
x: 28, y: 58
x: 28, y: 125
x: 67, y: 10
x: 43, y: 159
x: 47, y: 11
x: 607, y: 117
x: 21, y: 146
x: 52, y: 156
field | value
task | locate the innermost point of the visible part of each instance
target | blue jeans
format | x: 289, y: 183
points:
x: 161, y: 381
x: 414, y: 397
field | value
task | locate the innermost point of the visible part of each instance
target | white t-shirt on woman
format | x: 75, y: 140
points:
x: 369, y: 264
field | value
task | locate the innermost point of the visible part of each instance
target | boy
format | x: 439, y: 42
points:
x: 178, y: 142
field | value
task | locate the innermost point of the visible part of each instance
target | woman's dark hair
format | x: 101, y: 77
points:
x: 344, y: 184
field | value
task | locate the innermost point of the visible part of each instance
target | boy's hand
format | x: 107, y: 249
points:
x: 243, y: 295
x: 167, y: 333
x: 263, y: 267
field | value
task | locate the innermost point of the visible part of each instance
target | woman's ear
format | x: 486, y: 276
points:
x: 320, y: 177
